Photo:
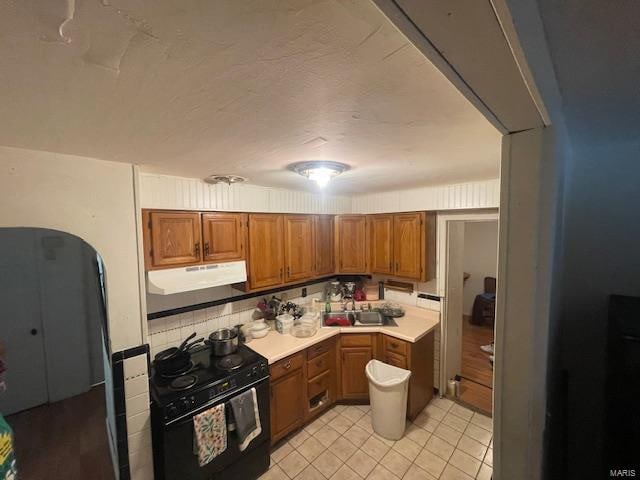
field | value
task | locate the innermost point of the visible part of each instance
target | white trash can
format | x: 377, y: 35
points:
x: 388, y: 386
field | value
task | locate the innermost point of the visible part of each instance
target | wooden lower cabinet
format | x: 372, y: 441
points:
x: 287, y: 396
x: 305, y: 384
x: 356, y: 350
x: 417, y: 357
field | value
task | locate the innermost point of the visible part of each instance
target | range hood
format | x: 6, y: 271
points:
x: 187, y: 279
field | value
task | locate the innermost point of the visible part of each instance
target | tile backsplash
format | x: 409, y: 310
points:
x: 171, y: 331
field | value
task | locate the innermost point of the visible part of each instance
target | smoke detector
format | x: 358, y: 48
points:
x: 228, y: 179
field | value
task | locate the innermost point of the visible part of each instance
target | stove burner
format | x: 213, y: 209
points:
x: 180, y: 372
x: 183, y: 383
x: 230, y: 362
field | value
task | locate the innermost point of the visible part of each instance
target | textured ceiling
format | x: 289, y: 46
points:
x: 595, y: 48
x: 233, y: 86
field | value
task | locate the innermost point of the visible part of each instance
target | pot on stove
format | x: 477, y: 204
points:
x: 223, y: 341
x: 175, y: 360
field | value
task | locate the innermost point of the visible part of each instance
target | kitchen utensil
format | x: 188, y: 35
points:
x: 335, y: 292
x: 259, y: 331
x: 284, y: 323
x: 391, y: 310
x: 175, y: 359
x: 349, y: 289
x: 303, y: 331
x: 169, y: 353
x: 223, y: 341
x: 337, y: 321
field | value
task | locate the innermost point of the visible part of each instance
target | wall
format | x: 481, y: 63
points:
x: 170, y: 331
x: 171, y: 192
x: 91, y: 199
x: 95, y: 201
x: 480, y: 259
x: 530, y: 206
x: 602, y: 194
x: 481, y: 194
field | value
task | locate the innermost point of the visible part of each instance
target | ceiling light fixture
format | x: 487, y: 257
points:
x: 320, y: 171
x: 228, y: 179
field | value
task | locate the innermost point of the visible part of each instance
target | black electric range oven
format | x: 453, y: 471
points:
x: 209, y: 382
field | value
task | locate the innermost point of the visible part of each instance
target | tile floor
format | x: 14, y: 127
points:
x: 446, y: 441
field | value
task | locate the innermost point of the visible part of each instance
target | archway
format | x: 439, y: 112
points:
x: 55, y: 332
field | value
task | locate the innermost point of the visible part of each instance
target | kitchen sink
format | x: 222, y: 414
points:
x: 356, y: 319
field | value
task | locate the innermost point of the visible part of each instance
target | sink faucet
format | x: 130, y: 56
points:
x: 345, y: 303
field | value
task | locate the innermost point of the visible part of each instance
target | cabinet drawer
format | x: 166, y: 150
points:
x: 356, y: 340
x: 394, y: 345
x: 319, y: 364
x: 396, y: 360
x: 319, y: 384
x: 319, y: 349
x: 287, y: 365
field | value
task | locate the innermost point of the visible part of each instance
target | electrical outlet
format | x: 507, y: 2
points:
x: 304, y: 292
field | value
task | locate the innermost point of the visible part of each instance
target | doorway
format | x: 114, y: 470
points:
x: 55, y: 334
x: 480, y: 262
x: 468, y: 267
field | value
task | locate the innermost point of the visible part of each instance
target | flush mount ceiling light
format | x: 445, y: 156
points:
x: 228, y: 179
x: 320, y: 171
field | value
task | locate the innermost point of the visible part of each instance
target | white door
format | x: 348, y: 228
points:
x: 21, y: 323
x: 453, y: 304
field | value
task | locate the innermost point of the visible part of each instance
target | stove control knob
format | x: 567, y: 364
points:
x: 185, y: 404
x: 263, y: 368
x: 172, y: 411
x: 254, y: 371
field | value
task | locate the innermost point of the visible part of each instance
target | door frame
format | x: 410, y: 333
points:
x: 450, y: 341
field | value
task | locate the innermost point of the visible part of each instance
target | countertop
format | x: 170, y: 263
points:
x: 415, y: 324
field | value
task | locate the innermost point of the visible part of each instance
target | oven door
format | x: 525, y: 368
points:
x: 177, y: 460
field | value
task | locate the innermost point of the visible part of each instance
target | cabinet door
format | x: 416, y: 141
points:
x: 223, y: 236
x: 381, y: 243
x: 299, y: 247
x: 408, y: 245
x: 266, y: 255
x: 396, y: 360
x: 325, y: 240
x: 355, y: 385
x: 287, y: 404
x: 352, y: 243
x: 175, y: 239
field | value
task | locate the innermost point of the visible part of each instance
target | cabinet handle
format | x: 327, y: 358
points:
x: 197, y: 249
x: 394, y: 345
x: 288, y: 271
x: 206, y: 248
x: 287, y: 365
x: 397, y: 267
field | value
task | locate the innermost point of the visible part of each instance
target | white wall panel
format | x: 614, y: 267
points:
x: 164, y: 191
x: 485, y: 194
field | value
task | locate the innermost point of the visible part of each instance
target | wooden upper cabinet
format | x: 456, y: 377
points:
x: 325, y: 238
x: 381, y: 243
x: 266, y: 250
x: 172, y: 239
x: 409, y: 245
x: 352, y: 243
x: 223, y: 236
x: 299, y: 247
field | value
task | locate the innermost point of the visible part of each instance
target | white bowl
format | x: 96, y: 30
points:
x: 259, y: 331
